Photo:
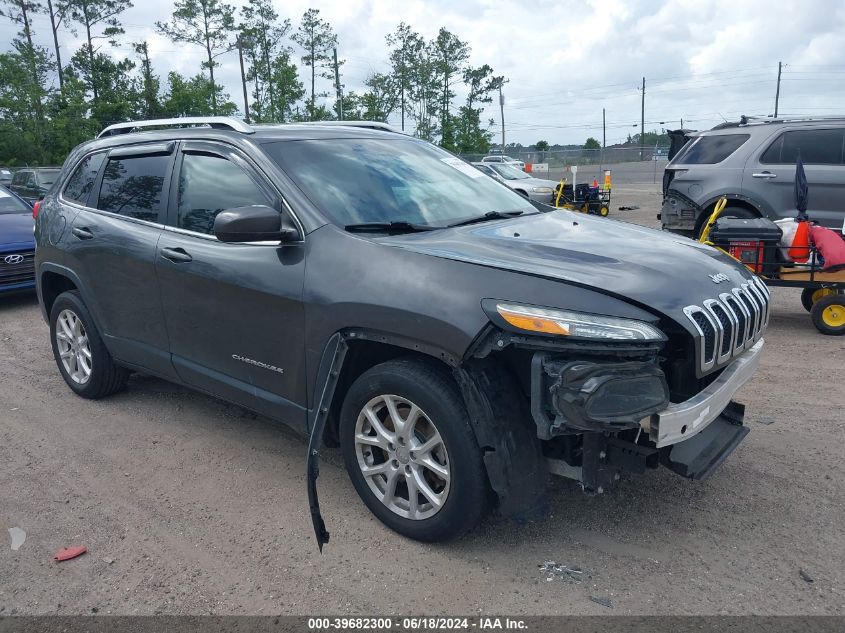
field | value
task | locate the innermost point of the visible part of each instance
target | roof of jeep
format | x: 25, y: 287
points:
x: 259, y: 134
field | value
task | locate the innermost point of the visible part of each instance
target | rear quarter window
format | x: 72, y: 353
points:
x: 79, y: 185
x: 816, y: 147
x: 709, y: 150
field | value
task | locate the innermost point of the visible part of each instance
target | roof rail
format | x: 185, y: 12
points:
x: 374, y: 125
x: 763, y: 120
x: 218, y: 122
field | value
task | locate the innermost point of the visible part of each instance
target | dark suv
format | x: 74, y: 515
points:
x: 32, y: 183
x: 372, y: 291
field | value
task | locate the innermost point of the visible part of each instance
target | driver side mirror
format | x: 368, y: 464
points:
x: 257, y: 223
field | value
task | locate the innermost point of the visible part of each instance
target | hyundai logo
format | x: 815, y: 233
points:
x: 13, y: 259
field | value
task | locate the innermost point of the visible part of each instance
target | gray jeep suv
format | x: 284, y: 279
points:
x: 752, y: 163
x: 375, y: 292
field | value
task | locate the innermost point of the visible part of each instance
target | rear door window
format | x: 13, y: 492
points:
x: 210, y: 184
x: 133, y: 186
x: 80, y: 184
x: 817, y: 147
x: 709, y: 150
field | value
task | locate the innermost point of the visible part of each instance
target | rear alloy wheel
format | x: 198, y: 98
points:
x: 828, y: 315
x: 74, y: 346
x: 410, y: 451
x: 82, y: 358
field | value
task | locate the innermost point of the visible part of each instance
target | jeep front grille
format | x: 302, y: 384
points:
x: 729, y: 325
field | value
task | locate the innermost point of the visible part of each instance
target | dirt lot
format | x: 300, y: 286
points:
x: 189, y: 505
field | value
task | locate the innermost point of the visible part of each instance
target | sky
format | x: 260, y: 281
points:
x: 704, y: 61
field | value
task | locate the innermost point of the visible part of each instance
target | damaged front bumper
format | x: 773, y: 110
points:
x: 681, y: 421
x: 692, y: 438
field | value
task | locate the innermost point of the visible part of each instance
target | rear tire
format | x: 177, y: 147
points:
x: 828, y: 315
x: 447, y: 481
x: 79, y: 351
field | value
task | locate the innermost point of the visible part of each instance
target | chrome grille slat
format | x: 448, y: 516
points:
x: 729, y: 325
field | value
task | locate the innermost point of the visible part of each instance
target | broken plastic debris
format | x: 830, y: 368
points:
x: 805, y: 576
x: 70, y: 552
x: 605, y: 602
x: 564, y: 572
x: 18, y: 537
x: 630, y: 207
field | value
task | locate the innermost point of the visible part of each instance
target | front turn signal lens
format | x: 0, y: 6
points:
x: 577, y: 324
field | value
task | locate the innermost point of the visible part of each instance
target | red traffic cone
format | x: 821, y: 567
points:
x: 800, y: 250
x: 595, y: 184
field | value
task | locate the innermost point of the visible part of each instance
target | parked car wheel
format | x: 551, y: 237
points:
x: 810, y: 295
x: 828, y: 315
x: 410, y: 451
x: 80, y: 354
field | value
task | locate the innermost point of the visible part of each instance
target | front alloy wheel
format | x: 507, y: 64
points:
x: 402, y: 457
x: 73, y: 346
x: 411, y: 452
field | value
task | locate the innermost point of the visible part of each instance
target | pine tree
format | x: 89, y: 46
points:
x: 206, y: 23
x: 99, y: 18
x: 317, y: 39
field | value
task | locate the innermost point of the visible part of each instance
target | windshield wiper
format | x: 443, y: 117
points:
x: 397, y: 226
x: 490, y: 215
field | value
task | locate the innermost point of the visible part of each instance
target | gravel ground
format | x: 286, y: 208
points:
x: 190, y: 505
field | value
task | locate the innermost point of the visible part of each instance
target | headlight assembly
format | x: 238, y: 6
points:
x: 577, y: 324
x: 542, y: 189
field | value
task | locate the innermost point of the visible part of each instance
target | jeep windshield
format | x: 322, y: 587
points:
x: 388, y: 180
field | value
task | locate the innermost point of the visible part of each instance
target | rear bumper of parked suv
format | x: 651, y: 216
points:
x: 678, y: 212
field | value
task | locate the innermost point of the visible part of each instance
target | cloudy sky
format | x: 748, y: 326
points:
x: 703, y: 60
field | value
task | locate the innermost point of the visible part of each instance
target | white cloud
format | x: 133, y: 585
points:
x: 702, y: 59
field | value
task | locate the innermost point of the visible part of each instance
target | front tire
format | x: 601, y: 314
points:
x: 81, y: 356
x: 410, y: 451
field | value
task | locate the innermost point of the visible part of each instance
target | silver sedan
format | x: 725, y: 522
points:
x: 533, y: 188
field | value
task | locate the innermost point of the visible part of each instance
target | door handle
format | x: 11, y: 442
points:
x: 82, y: 233
x: 176, y: 255
x: 765, y: 174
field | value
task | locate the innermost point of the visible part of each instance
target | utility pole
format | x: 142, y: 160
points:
x: 603, y: 142
x: 243, y: 79
x: 337, y: 87
x: 642, y: 121
x: 502, y: 111
x: 777, y: 92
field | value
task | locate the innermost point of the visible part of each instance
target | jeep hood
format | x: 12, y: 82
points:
x: 659, y: 271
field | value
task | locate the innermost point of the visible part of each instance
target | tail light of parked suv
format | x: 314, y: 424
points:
x: 35, y: 208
